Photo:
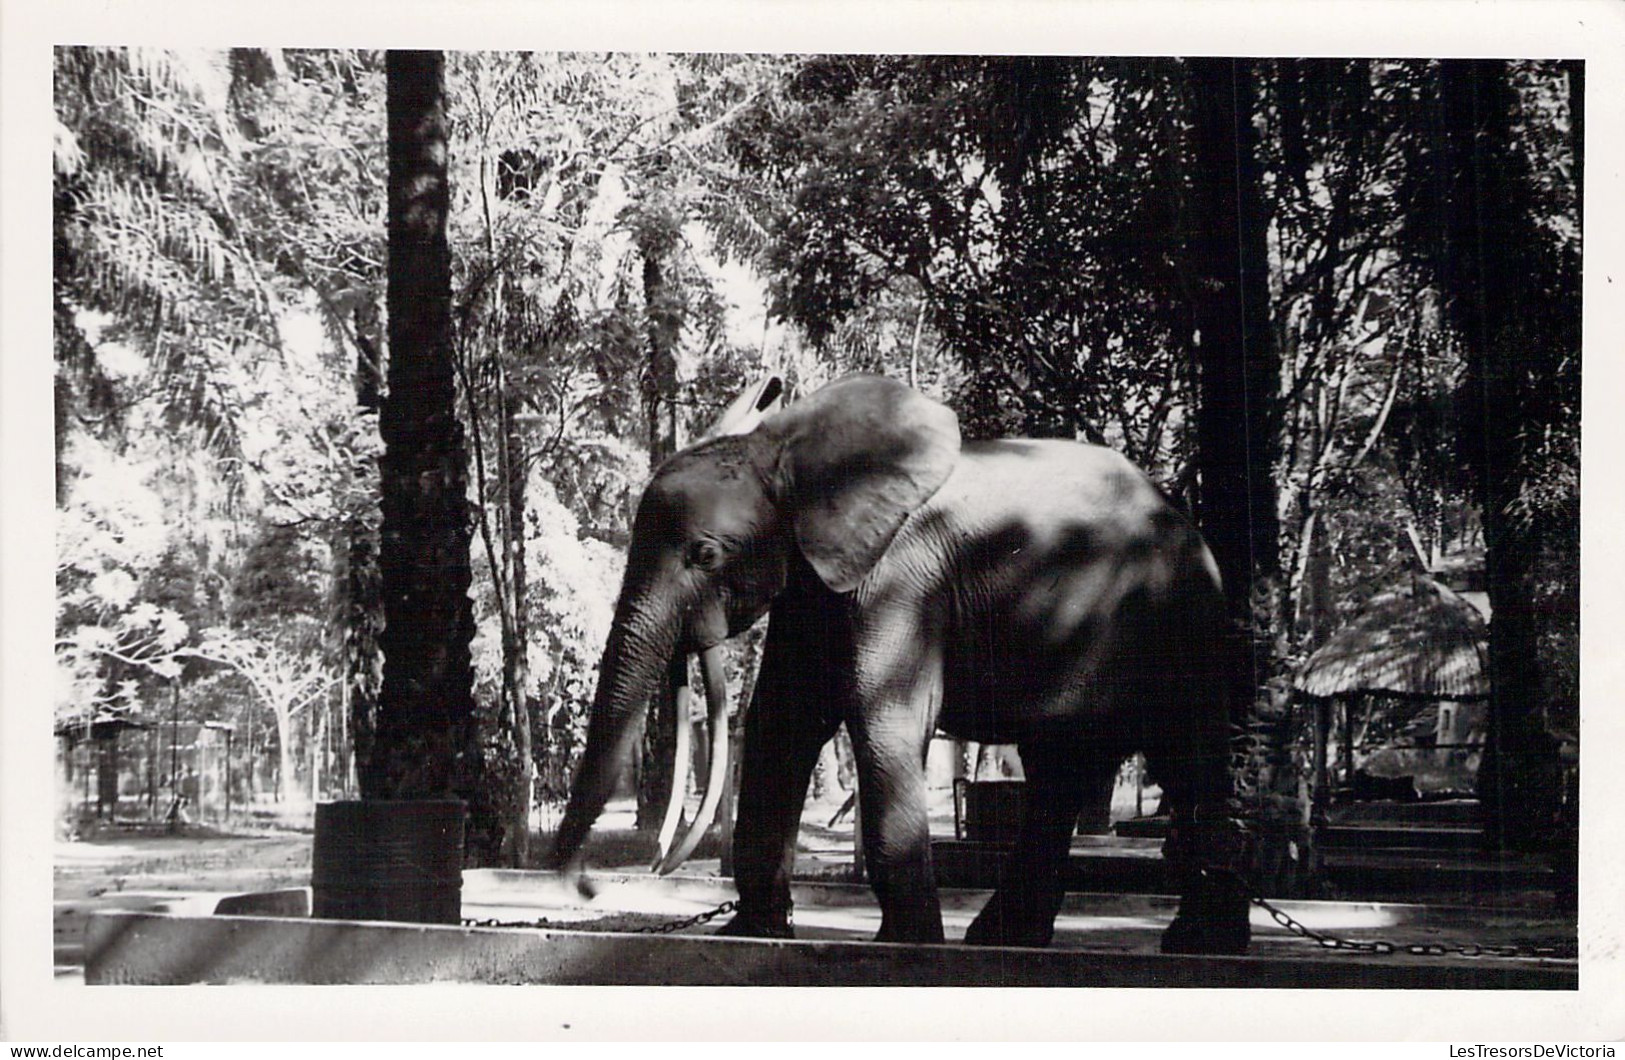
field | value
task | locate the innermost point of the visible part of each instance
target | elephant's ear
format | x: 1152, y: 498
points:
x: 856, y: 458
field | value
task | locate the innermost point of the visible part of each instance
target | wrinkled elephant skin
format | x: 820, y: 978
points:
x: 1040, y: 593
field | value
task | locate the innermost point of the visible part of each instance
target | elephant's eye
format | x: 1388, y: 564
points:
x: 704, y: 554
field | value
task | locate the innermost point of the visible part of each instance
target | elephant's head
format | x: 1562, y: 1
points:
x: 830, y: 479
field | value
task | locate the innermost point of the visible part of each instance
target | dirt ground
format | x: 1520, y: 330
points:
x: 150, y: 870
x: 142, y: 868
x: 111, y: 870
x: 194, y: 861
x: 153, y: 871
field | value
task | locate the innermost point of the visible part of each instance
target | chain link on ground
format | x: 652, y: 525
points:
x: 1378, y: 947
x: 664, y: 928
x: 1383, y: 947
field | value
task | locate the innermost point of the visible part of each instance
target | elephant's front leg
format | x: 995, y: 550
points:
x: 896, y: 832
x: 791, y: 717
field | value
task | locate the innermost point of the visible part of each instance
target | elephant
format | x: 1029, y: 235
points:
x: 1042, y: 593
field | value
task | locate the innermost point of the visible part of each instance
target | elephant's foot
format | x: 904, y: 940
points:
x: 922, y: 931
x: 1007, y: 922
x: 759, y: 922
x: 742, y: 927
x: 1212, y: 919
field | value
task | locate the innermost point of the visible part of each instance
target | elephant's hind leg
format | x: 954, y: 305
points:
x: 1033, y: 881
x: 1206, y: 849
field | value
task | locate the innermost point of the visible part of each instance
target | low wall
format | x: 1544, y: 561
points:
x: 149, y: 948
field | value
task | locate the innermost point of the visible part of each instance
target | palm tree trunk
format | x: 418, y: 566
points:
x: 426, y: 708
x: 1238, y: 417
x: 363, y: 617
x: 1238, y: 364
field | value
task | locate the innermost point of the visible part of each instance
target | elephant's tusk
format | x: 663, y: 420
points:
x: 716, y: 698
x: 748, y: 409
x: 680, y: 767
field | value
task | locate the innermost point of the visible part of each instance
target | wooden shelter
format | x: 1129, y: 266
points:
x: 1421, y: 643
x: 114, y: 777
x: 91, y: 748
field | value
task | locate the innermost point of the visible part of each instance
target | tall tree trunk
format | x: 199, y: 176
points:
x: 508, y: 569
x: 1575, y: 73
x: 363, y: 617
x: 515, y: 666
x: 287, y: 783
x: 422, y: 746
x: 1238, y: 416
x: 1237, y: 362
x: 658, y: 748
x: 318, y: 737
x: 1506, y: 299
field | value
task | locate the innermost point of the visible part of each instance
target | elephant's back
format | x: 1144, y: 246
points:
x: 1046, y: 490
x: 1066, y: 569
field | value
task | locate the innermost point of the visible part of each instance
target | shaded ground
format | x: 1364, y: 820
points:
x: 125, y: 870
x: 118, y: 869
x: 150, y: 870
x: 198, y: 859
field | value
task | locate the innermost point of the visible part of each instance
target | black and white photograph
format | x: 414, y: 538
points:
x: 597, y: 509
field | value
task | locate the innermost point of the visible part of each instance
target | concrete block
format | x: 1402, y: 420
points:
x: 148, y: 948
x: 292, y: 901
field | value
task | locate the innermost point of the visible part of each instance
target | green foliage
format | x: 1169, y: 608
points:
x: 581, y: 186
x: 213, y: 228
x: 1031, y: 203
x: 278, y: 578
x: 113, y: 633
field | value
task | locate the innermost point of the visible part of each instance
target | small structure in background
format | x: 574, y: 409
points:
x: 181, y: 773
x: 1399, y: 696
x: 94, y: 764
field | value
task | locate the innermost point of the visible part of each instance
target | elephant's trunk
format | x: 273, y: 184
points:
x: 635, y: 660
x: 716, y: 701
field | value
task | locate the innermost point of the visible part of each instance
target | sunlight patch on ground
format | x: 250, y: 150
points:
x: 1331, y: 916
x: 74, y: 854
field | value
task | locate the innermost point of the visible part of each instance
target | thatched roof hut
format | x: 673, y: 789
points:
x: 104, y: 725
x: 1419, y: 641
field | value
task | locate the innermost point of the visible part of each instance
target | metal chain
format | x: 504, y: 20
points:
x: 692, y: 921
x: 1383, y: 947
x: 1417, y: 949
x: 650, y: 929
